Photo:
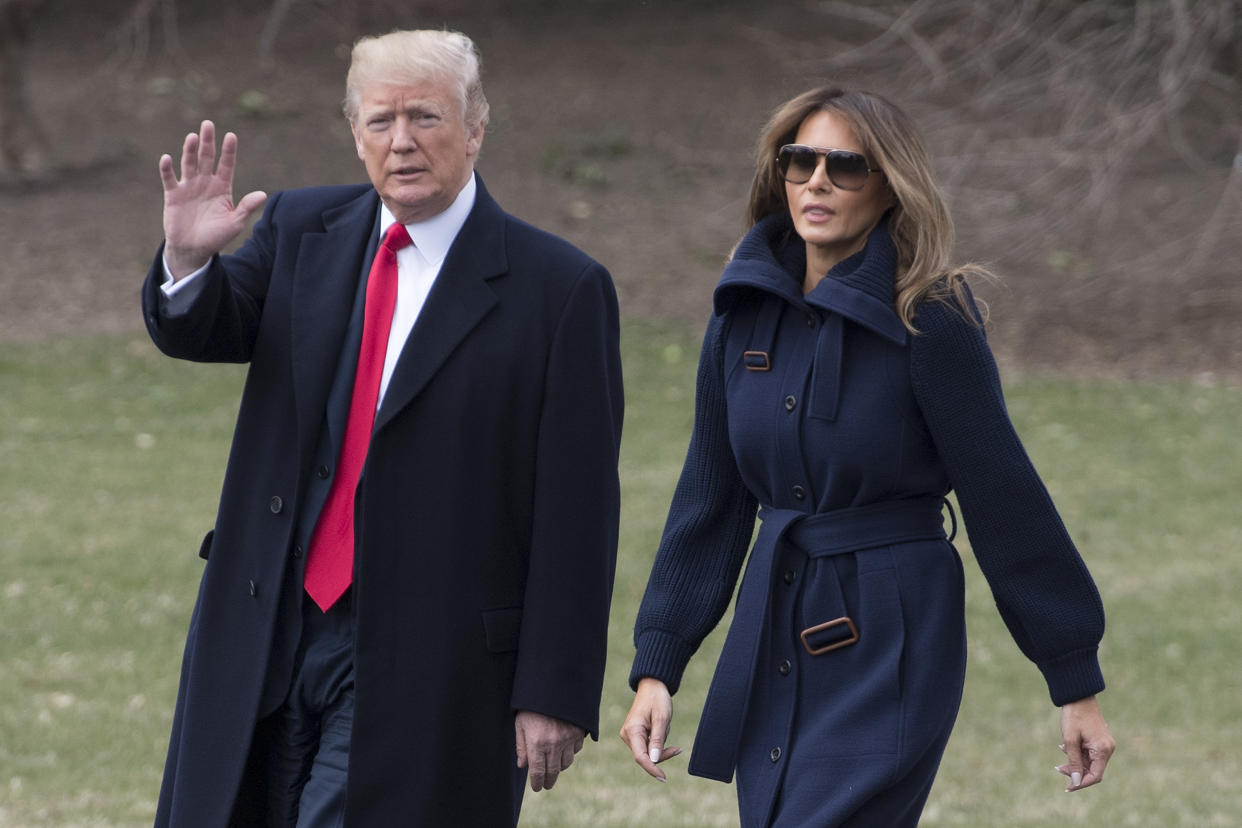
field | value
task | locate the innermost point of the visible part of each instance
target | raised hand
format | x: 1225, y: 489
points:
x: 200, y: 217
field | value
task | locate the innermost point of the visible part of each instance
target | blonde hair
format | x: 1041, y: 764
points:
x: 405, y: 57
x: 919, y: 223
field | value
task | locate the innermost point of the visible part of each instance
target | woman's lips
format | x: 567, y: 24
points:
x: 817, y: 212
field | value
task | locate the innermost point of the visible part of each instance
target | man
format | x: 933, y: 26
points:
x: 405, y: 600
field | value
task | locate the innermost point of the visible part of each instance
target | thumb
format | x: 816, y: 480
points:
x: 659, y: 734
x: 1074, y: 767
x: 251, y: 202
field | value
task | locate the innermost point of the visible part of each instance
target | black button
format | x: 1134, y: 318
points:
x: 297, y: 550
x: 775, y: 755
x: 323, y: 472
x: 790, y: 575
x: 276, y: 504
x: 254, y: 589
x: 790, y: 403
x: 810, y: 320
x: 785, y: 667
x: 799, y: 493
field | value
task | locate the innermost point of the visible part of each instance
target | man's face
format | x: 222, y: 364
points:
x: 416, y: 146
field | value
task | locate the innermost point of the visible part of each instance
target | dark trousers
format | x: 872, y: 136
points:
x: 306, y: 740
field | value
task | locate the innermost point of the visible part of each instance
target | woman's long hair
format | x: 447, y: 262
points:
x: 920, y: 224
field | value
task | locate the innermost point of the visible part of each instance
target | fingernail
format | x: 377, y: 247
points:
x: 661, y: 779
x: 1075, y: 779
x: 655, y: 754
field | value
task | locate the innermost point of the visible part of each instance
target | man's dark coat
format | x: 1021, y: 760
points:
x: 486, y: 516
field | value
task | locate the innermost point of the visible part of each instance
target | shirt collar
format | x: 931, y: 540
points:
x: 434, y: 236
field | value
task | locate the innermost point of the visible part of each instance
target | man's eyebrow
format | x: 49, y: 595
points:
x: 427, y: 107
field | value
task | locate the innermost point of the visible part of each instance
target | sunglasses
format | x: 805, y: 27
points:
x: 847, y: 170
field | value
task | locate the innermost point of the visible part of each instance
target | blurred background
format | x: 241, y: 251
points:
x: 1091, y: 151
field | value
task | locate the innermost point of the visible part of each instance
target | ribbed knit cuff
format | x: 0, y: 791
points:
x: 663, y: 656
x: 1073, y: 676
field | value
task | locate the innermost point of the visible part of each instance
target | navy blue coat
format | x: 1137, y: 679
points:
x: 486, y: 515
x: 848, y: 430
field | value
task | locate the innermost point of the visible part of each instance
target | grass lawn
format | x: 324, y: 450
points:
x: 110, y: 462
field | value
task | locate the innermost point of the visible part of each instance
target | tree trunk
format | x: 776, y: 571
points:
x: 23, y: 146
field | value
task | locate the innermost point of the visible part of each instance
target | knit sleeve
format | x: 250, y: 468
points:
x: 1041, y: 586
x: 705, y: 537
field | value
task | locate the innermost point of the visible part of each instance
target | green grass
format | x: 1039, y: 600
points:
x: 110, y: 462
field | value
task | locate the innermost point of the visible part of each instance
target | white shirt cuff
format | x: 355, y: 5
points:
x: 171, y: 287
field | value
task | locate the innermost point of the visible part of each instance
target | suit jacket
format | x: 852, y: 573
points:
x: 486, y: 515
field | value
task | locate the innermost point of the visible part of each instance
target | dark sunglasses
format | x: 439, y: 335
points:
x: 847, y: 170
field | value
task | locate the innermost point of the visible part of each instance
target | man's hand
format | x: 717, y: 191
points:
x: 199, y: 215
x: 545, y: 745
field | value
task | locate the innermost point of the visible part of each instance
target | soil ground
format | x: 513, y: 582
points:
x: 626, y: 128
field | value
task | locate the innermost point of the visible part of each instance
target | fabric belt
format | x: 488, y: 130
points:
x: 854, y: 529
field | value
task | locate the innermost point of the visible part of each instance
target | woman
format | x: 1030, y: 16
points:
x: 845, y: 386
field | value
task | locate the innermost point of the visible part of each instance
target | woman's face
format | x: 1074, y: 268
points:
x: 834, y: 222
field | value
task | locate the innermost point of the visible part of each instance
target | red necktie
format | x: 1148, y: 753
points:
x: 330, y: 560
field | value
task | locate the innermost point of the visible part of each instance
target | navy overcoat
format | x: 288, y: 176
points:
x: 486, y: 514
x: 839, y: 681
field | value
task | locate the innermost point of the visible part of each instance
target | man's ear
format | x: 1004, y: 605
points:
x: 474, y: 139
x: 353, y: 130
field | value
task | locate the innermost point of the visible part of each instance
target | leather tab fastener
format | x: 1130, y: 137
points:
x: 830, y: 635
x: 756, y: 361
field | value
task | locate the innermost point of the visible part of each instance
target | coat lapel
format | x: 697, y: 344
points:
x: 326, y: 278
x: 460, y: 298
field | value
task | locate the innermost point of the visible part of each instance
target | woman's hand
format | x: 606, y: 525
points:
x: 1087, y: 743
x: 646, y: 727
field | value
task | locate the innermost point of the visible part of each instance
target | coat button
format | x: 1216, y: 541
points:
x: 799, y: 493
x: 785, y: 667
x: 775, y: 755
x: 323, y: 472
x: 276, y: 504
x: 254, y: 589
x: 790, y: 575
x: 810, y: 320
x: 791, y: 403
x: 297, y: 550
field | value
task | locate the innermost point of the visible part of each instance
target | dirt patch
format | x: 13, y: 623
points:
x: 628, y: 131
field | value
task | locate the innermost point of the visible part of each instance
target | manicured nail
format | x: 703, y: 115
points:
x: 1075, y: 779
x: 655, y: 754
x: 661, y: 779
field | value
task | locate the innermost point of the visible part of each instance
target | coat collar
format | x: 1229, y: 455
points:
x: 459, y: 299
x: 325, y: 279
x: 328, y: 268
x: 772, y: 259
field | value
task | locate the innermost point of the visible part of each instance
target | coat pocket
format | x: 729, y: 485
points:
x: 502, y: 628
x: 204, y: 548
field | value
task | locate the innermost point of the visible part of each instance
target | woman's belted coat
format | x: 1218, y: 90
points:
x: 842, y: 672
